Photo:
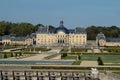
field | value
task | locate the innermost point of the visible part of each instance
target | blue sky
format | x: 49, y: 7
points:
x: 74, y: 13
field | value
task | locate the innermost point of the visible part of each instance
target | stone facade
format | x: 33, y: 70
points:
x: 101, y: 40
x: 7, y: 39
x: 61, y: 36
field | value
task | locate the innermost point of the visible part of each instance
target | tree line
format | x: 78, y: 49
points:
x: 111, y: 32
x: 24, y: 28
x: 20, y: 29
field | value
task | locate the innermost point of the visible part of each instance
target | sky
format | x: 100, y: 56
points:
x: 74, y: 13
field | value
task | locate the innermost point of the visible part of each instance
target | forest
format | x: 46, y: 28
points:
x: 24, y: 28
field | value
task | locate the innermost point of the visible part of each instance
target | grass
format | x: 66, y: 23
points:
x: 64, y: 50
x: 105, y: 58
x: 17, y: 55
x: 24, y: 56
x: 78, y: 50
x: 37, y: 49
x: 73, y: 68
x: 7, y: 55
x: 111, y: 64
x: 77, y: 63
x: 70, y: 57
x: 112, y: 49
x: 51, y: 56
x: 116, y: 72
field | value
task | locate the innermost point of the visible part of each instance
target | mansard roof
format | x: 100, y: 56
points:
x: 18, y: 39
x: 79, y: 30
x: 100, y: 36
x: 113, y: 39
x: 61, y: 27
x: 42, y: 30
x: 6, y: 37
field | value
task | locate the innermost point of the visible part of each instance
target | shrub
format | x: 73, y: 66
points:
x: 79, y: 57
x: 12, y: 55
x: 63, y: 55
x: 5, y: 55
x: 100, y: 62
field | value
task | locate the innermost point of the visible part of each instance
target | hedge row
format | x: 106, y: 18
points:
x: 36, y: 49
x: 95, y: 53
x: 78, y: 50
x: 73, y: 68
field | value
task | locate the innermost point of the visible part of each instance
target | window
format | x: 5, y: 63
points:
x: 83, y: 36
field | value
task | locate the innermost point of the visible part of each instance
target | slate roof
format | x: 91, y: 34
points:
x: 61, y: 27
x: 28, y: 36
x: 6, y: 37
x: 100, y: 36
x: 33, y: 35
x: 71, y: 31
x: 42, y: 30
x: 0, y: 38
x: 80, y: 30
x: 113, y: 39
x: 18, y: 39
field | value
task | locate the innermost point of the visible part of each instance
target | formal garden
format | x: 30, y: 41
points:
x: 21, y: 52
x: 110, y: 58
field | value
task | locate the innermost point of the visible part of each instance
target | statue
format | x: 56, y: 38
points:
x: 94, y: 71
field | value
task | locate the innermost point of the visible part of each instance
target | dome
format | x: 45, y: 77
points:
x: 61, y: 28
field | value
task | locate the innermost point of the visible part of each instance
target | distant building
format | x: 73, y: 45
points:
x: 29, y: 40
x: 113, y: 41
x: 6, y: 39
x: 13, y: 40
x: 101, y: 40
x: 61, y: 36
x: 18, y: 41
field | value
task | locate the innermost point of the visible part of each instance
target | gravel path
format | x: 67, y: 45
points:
x: 57, y: 57
x: 89, y: 63
x: 36, y: 57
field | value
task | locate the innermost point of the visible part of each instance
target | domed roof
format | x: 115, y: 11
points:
x: 61, y: 28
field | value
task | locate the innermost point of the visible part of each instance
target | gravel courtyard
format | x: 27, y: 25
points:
x: 89, y: 63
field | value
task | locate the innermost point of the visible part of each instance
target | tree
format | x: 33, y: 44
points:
x: 12, y: 55
x: 79, y: 57
x: 5, y: 55
x: 23, y: 29
x: 111, y: 31
x: 99, y: 60
x: 63, y: 55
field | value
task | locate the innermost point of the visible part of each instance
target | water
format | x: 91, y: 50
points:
x: 37, y: 62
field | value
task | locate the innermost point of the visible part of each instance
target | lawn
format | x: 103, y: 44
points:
x: 105, y: 58
x: 5, y: 55
x: 77, y: 63
x: 51, y: 56
x: 112, y: 64
x: 116, y: 72
x: 73, y: 57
